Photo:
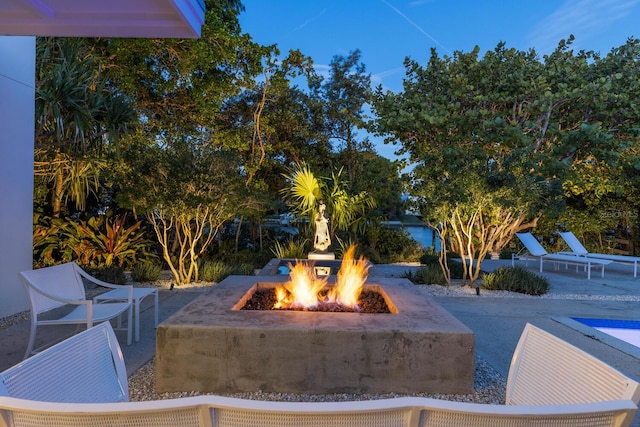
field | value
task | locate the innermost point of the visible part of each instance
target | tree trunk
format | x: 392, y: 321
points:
x: 56, y: 194
x: 238, y: 229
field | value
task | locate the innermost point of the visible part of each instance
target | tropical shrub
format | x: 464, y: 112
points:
x: 428, y: 275
x: 515, y: 279
x: 98, y: 241
x: 146, y: 272
x: 214, y: 271
x: 291, y: 248
x: 393, y: 245
x: 46, y: 240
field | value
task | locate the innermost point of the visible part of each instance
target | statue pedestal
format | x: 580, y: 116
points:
x: 321, y: 255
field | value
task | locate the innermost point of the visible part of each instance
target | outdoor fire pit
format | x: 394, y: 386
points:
x: 212, y: 345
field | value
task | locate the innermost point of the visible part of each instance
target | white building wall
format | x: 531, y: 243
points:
x: 17, y: 124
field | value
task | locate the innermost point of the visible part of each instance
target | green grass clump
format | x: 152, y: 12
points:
x: 292, y: 248
x: 146, y: 272
x: 428, y: 275
x: 214, y: 271
x: 217, y: 271
x: 243, y: 269
x: 515, y: 279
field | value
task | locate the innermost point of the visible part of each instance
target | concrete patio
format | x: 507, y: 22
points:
x: 495, y: 320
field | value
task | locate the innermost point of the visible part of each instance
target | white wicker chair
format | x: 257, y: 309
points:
x: 61, y: 285
x: 209, y: 411
x: 90, y: 363
x: 546, y: 370
x: 85, y: 368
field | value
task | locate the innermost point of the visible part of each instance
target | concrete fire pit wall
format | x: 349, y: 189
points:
x: 210, y: 347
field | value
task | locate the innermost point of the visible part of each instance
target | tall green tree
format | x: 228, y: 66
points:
x: 277, y: 118
x: 503, y: 133
x: 380, y: 178
x: 186, y: 192
x: 346, y: 93
x: 80, y: 120
x: 180, y: 88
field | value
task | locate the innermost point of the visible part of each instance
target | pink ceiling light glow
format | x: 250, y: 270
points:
x: 100, y: 18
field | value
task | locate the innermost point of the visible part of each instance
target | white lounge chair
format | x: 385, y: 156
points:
x: 52, y: 288
x: 578, y: 249
x: 536, y: 251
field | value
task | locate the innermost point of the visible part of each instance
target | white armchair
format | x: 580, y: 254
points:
x: 51, y: 288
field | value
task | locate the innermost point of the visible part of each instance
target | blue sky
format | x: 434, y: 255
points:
x: 387, y: 31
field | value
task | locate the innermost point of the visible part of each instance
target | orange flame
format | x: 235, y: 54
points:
x: 304, y: 288
x: 351, y: 279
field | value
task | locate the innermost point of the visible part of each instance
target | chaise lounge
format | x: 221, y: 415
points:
x: 578, y: 249
x: 536, y: 251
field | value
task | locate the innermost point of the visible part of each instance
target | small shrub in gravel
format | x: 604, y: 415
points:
x: 146, y: 272
x: 214, y: 271
x: 515, y: 279
x: 428, y: 275
x: 455, y: 267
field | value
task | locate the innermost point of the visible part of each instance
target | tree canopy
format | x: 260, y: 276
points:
x: 514, y: 131
x: 202, y: 134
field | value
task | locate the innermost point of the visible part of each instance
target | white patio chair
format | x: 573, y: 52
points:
x: 52, y: 288
x: 578, y: 249
x: 546, y: 370
x: 85, y: 368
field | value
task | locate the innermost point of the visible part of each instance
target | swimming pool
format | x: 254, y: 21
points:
x: 625, y: 330
x: 623, y: 335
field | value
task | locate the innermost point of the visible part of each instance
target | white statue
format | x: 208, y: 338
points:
x: 322, y: 240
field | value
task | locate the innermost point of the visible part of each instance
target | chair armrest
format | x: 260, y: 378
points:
x: 57, y: 297
x: 102, y: 283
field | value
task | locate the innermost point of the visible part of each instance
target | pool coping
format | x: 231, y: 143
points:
x: 607, y: 339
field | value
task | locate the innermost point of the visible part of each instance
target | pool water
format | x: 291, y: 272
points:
x: 625, y: 330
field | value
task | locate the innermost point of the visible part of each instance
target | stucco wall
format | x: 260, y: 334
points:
x: 17, y: 100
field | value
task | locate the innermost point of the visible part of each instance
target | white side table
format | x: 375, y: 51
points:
x: 138, y: 295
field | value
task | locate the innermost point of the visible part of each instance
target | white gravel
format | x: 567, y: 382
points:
x: 489, y: 387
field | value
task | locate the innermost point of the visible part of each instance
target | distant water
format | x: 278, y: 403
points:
x: 422, y: 234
